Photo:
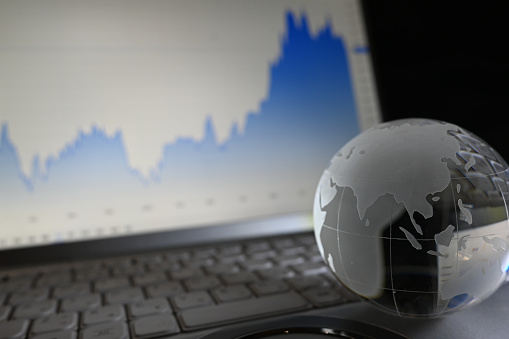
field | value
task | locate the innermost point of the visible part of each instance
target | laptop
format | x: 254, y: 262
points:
x: 158, y: 164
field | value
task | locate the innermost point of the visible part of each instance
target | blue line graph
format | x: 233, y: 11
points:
x: 310, y: 82
x: 308, y: 115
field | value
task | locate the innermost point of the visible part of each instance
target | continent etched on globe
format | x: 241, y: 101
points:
x: 412, y: 216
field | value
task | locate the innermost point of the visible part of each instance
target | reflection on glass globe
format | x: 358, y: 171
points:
x: 411, y: 215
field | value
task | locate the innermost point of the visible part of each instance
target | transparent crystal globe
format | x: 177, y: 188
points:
x: 411, y: 215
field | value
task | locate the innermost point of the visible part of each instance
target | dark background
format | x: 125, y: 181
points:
x: 445, y: 60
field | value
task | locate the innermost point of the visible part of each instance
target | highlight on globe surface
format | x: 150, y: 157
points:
x: 411, y: 215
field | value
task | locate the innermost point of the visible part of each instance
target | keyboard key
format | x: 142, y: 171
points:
x: 149, y: 307
x: 276, y: 273
x: 203, y: 253
x: 175, y: 256
x: 148, y: 258
x: 13, y: 284
x: 257, y: 246
x: 308, y: 240
x: 27, y: 274
x: 164, y: 289
x: 124, y: 296
x: 4, y: 312
x: 14, y: 329
x: 228, y: 250
x: 28, y: 296
x: 193, y: 299
x: 287, y: 260
x: 149, y: 278
x: 87, y: 266
x: 207, y: 316
x: 323, y: 296
x: 39, y: 309
x: 91, y: 274
x: 203, y: 283
x: 263, y: 255
x: 295, y: 250
x: 163, y: 266
x: 283, y: 243
x: 186, y: 273
x: 230, y: 259
x: 155, y: 325
x: 222, y: 268
x: 314, y: 256
x: 244, y: 277
x: 257, y: 264
x: 231, y: 293
x: 71, y: 290
x: 118, y: 262
x: 200, y: 262
x: 57, y: 269
x: 111, y: 284
x: 269, y: 287
x: 128, y: 270
x: 56, y: 335
x: 311, y: 268
x: 54, y: 279
x: 103, y: 314
x: 81, y: 303
x: 114, y: 330
x: 55, y: 322
x: 302, y: 283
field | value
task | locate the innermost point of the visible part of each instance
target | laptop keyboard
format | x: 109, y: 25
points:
x: 169, y: 292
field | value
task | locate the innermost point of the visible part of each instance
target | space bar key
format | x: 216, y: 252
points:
x: 241, y: 310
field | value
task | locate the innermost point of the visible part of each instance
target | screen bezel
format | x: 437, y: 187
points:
x: 84, y: 250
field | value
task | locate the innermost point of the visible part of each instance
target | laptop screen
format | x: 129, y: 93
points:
x: 124, y: 118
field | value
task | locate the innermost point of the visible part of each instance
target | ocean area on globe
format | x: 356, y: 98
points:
x: 411, y: 215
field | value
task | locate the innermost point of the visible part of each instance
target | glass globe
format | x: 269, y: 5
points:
x: 412, y: 216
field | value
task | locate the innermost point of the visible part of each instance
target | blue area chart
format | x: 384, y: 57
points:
x: 308, y: 115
